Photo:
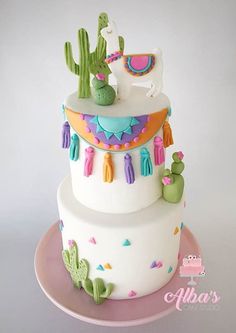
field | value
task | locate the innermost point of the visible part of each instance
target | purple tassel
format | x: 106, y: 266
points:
x: 159, y: 154
x: 129, y: 169
x: 66, y: 135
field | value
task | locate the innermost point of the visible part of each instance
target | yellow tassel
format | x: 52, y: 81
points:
x: 167, y: 135
x: 108, y: 170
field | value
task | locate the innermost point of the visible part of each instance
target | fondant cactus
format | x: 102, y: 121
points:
x: 103, y: 93
x: 97, y: 289
x: 78, y: 269
x: 82, y: 69
x: 173, y: 181
x: 89, y: 62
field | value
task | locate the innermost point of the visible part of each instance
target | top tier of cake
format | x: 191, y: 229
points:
x: 118, y: 135
x: 126, y: 130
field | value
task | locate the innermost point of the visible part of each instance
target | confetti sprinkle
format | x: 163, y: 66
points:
x: 92, y: 240
x: 170, y: 269
x: 159, y: 264
x: 107, y: 266
x: 156, y: 264
x: 153, y: 264
x: 176, y: 230
x: 100, y: 268
x: 126, y: 242
x: 61, y: 225
x: 132, y: 293
x: 181, y: 225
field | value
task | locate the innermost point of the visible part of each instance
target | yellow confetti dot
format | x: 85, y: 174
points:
x: 176, y: 230
x: 107, y: 266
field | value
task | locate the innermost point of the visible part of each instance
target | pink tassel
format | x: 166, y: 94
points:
x: 88, y: 164
x: 159, y: 154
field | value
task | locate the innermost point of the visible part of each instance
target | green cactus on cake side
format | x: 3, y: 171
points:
x: 97, y: 289
x: 173, y: 181
x: 89, y: 62
x: 78, y: 269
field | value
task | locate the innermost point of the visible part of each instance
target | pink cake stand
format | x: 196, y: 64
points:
x: 56, y: 284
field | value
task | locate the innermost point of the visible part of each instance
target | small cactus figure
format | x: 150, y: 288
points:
x: 103, y: 93
x: 97, y: 289
x: 78, y: 269
x: 173, y: 181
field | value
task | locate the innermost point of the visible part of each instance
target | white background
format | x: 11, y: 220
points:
x: 199, y: 49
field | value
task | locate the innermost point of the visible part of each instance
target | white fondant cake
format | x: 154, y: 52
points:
x: 120, y: 209
x: 146, y: 264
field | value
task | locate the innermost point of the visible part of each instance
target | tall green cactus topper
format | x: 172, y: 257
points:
x: 89, y: 62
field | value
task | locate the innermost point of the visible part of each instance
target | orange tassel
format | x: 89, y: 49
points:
x: 108, y: 170
x: 167, y: 135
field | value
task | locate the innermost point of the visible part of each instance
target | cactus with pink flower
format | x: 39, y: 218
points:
x: 172, y: 180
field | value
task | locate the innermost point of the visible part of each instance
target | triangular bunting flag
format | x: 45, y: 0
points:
x: 108, y: 134
x: 134, y: 121
x: 118, y: 135
x: 128, y: 130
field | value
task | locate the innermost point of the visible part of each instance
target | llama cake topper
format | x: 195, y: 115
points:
x: 131, y: 68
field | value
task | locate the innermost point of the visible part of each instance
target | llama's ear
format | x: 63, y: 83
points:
x: 113, y: 26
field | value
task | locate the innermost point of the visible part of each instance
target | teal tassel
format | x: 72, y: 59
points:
x: 146, y: 163
x: 74, y: 147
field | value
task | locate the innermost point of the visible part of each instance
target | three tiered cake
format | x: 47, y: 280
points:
x: 120, y: 209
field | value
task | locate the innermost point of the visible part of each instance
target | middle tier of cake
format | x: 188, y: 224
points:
x: 137, y: 252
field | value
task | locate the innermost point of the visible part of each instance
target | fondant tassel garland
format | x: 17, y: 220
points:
x: 88, y: 164
x: 167, y: 135
x: 74, y: 147
x: 108, y: 171
x: 129, y: 169
x: 159, y: 154
x: 66, y: 135
x: 146, y: 163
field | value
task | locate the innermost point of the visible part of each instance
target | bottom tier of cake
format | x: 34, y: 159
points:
x: 137, y: 252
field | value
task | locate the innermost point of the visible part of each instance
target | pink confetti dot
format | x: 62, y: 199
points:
x: 87, y: 129
x: 144, y: 130
x: 136, y: 139
x: 148, y: 118
x: 96, y: 140
x: 81, y: 116
x: 116, y: 147
x: 127, y: 144
x: 106, y: 146
x: 132, y: 293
